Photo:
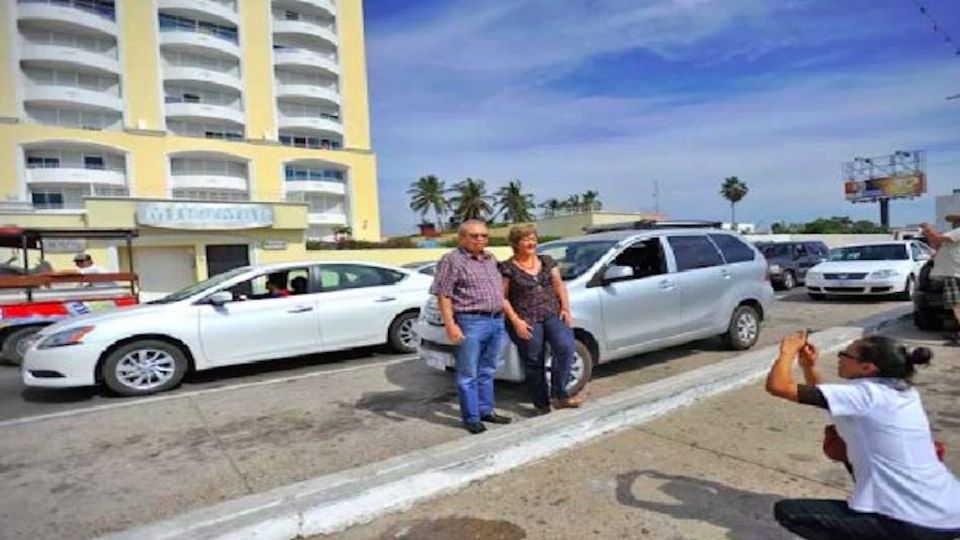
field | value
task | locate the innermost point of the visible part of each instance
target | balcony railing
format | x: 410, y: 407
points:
x: 107, y: 10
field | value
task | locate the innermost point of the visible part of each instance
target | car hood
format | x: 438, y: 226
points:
x: 94, y: 319
x: 842, y: 267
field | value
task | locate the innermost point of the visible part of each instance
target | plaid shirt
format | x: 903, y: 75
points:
x: 472, y: 282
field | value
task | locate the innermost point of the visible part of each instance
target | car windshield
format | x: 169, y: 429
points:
x: 775, y: 250
x: 576, y: 257
x: 197, y: 288
x: 879, y: 252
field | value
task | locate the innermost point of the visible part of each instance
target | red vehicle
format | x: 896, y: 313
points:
x: 32, y: 297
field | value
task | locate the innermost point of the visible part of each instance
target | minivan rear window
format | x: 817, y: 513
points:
x: 692, y: 252
x: 733, y: 249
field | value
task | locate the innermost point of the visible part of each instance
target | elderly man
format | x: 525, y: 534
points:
x: 469, y: 288
x: 946, y: 265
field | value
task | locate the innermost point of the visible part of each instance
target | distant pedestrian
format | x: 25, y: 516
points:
x: 901, y: 491
x: 86, y: 266
x: 538, y: 309
x: 469, y: 290
x: 946, y: 265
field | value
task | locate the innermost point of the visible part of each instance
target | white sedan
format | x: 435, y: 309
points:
x: 875, y: 269
x: 245, y: 315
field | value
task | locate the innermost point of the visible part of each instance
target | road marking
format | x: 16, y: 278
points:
x: 131, y: 402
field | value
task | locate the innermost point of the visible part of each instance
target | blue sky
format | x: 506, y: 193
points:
x: 571, y: 95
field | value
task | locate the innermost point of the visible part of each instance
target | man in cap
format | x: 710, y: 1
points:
x: 86, y: 266
x: 946, y: 265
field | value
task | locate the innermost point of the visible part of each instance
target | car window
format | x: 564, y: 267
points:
x: 817, y: 248
x: 875, y: 252
x: 644, y: 257
x: 576, y: 257
x: 800, y: 250
x: 692, y: 252
x: 919, y: 252
x: 277, y: 284
x: 338, y: 277
x: 732, y: 248
x: 774, y: 250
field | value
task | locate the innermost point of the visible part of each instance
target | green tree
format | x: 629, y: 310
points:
x: 734, y: 190
x: 513, y: 204
x: 591, y: 201
x: 574, y: 203
x: 429, y: 193
x: 470, y: 200
x: 551, y: 206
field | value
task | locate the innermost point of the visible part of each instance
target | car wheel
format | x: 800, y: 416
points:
x: 144, y: 367
x: 907, y: 293
x: 15, y: 345
x: 402, y: 337
x: 580, y: 371
x: 816, y: 296
x: 744, y: 328
x: 788, y: 282
x: 927, y: 321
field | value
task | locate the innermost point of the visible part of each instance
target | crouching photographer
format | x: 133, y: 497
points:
x: 901, y: 489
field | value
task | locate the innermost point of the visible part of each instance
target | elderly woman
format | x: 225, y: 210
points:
x: 538, y: 312
x: 901, y: 490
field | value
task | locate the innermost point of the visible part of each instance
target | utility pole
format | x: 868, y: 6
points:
x: 656, y: 196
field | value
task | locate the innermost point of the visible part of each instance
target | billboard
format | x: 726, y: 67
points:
x: 887, y: 187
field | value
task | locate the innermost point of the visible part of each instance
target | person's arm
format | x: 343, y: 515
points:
x: 780, y: 381
x: 936, y: 238
x: 561, y: 289
x: 443, y: 285
x: 521, y: 326
x: 454, y: 333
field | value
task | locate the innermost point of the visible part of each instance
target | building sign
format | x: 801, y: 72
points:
x: 64, y: 245
x: 888, y: 187
x: 273, y: 245
x: 204, y: 216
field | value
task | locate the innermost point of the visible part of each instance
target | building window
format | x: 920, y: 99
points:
x: 93, y: 162
x: 42, y: 162
x: 47, y: 200
x: 300, y: 173
x: 304, y: 141
x: 169, y: 23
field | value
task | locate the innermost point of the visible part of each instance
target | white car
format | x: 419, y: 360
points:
x: 229, y: 319
x: 874, y: 269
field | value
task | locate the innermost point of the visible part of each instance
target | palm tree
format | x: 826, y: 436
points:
x: 733, y: 190
x: 428, y: 193
x: 574, y: 204
x: 591, y: 200
x: 470, y: 200
x: 551, y: 206
x: 514, y: 204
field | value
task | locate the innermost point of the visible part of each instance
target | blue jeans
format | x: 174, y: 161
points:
x: 478, y: 358
x: 533, y: 355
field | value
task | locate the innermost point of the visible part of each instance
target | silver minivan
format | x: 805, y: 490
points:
x: 634, y: 291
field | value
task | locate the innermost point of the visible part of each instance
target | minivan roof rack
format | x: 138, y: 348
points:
x: 647, y: 224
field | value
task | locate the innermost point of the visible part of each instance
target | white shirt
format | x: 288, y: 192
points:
x: 947, y: 261
x: 891, y: 449
x: 94, y: 269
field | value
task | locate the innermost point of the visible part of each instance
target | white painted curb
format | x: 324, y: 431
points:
x: 332, y: 503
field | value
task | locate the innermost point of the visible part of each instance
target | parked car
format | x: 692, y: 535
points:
x: 789, y: 261
x: 424, y: 267
x: 929, y: 312
x: 634, y: 291
x: 232, y: 318
x: 878, y: 268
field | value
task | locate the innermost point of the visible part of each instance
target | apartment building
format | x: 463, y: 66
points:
x: 226, y: 131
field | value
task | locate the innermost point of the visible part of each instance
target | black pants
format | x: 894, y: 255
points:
x: 826, y: 519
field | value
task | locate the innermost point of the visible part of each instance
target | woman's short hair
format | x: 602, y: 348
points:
x: 892, y: 358
x: 520, y: 232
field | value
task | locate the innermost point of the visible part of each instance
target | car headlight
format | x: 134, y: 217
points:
x: 64, y: 338
x: 886, y: 273
x: 774, y: 268
x: 814, y: 275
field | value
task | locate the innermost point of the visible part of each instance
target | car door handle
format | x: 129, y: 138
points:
x: 666, y: 285
x: 726, y: 273
x: 300, y: 309
x: 386, y: 299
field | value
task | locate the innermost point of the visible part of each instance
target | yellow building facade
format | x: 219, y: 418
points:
x: 226, y: 131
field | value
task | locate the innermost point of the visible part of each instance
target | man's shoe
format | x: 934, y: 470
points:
x: 474, y: 427
x: 571, y: 402
x: 495, y: 418
x: 541, y: 410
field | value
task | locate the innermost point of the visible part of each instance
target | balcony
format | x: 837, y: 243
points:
x: 53, y: 95
x: 326, y: 218
x: 202, y: 77
x: 67, y: 175
x: 208, y: 181
x: 315, y: 186
x: 309, y: 92
x: 305, y: 28
x: 202, y: 9
x: 325, y: 5
x: 310, y: 123
x: 204, y: 112
x: 62, y: 56
x: 305, y: 58
x: 69, y: 13
x: 199, y: 43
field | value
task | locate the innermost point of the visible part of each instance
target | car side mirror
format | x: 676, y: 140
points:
x: 220, y: 298
x: 617, y: 273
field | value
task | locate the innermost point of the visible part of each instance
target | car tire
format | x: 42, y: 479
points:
x: 146, y: 358
x: 788, y: 281
x: 14, y: 344
x: 580, y: 372
x: 401, y: 337
x: 907, y: 293
x: 927, y: 321
x: 816, y: 296
x: 744, y: 329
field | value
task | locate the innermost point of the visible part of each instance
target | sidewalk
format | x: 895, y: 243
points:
x: 712, y: 470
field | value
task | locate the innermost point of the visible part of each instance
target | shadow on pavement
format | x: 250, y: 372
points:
x: 743, y: 514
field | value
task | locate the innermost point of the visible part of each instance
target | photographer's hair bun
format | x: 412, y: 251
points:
x: 920, y: 356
